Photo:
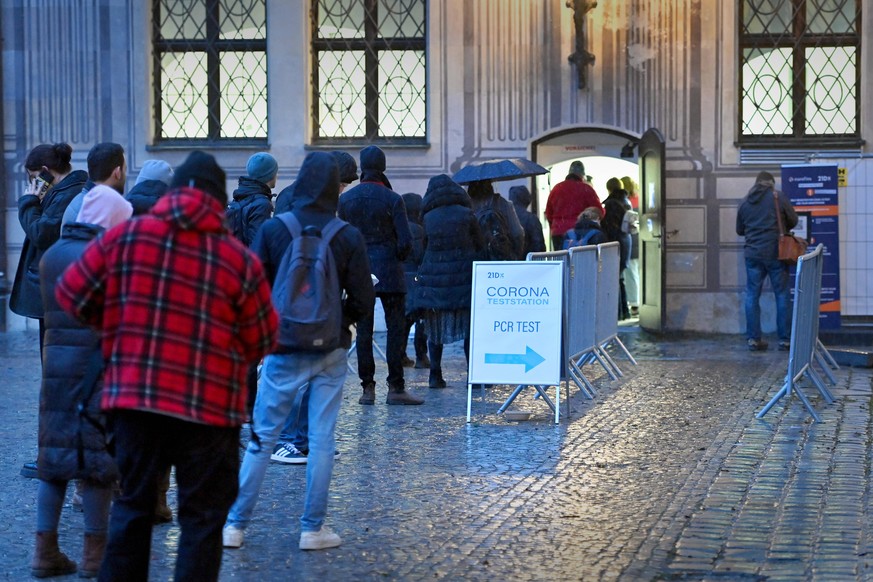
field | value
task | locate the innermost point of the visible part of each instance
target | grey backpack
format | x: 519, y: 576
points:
x: 306, y: 291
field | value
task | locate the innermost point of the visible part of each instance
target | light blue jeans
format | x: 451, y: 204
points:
x: 282, y: 378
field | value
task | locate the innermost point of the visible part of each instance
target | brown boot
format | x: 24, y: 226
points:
x: 163, y: 514
x: 399, y: 395
x: 92, y: 555
x: 48, y: 560
x: 369, y: 395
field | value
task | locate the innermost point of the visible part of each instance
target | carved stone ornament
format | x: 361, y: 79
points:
x: 581, y: 57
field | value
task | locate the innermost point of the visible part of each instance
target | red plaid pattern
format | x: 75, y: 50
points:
x: 184, y: 308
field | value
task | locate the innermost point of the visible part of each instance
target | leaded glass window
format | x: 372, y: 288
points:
x: 210, y: 70
x: 369, y: 71
x: 799, y: 77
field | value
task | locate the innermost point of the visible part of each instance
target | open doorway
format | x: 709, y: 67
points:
x: 600, y: 168
x: 607, y: 152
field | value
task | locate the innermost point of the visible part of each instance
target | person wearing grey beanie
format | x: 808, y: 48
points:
x: 263, y: 167
x: 152, y: 182
x: 252, y: 202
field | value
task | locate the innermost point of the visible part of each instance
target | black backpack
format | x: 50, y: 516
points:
x: 306, y: 291
x: 495, y: 229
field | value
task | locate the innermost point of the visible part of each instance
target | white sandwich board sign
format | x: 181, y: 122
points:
x: 515, y: 323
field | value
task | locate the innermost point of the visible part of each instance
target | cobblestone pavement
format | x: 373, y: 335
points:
x: 665, y: 475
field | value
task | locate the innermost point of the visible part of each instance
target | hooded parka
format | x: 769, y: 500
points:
x: 313, y: 200
x: 756, y: 221
x: 452, y: 241
x: 534, y: 241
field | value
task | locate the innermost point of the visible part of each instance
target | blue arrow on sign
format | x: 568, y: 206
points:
x: 530, y: 359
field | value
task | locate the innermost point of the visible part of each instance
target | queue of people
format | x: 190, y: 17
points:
x: 156, y: 309
x: 171, y: 312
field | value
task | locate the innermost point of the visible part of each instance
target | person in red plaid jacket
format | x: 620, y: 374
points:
x: 183, y: 308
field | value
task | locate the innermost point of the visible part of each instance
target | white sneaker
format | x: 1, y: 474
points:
x: 319, y: 540
x: 232, y: 536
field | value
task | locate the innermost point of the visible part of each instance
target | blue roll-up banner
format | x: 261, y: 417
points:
x: 812, y: 190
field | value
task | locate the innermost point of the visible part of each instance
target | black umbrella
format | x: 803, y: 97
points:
x: 496, y: 170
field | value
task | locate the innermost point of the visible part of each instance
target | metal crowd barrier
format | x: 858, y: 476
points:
x: 606, y: 322
x: 820, y: 353
x: 541, y: 390
x: 582, y: 305
x: 804, y: 334
x: 596, y: 290
x: 590, y: 320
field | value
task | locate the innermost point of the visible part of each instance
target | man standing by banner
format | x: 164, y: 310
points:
x: 758, y: 222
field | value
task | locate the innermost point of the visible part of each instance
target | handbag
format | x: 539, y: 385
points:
x: 791, y: 248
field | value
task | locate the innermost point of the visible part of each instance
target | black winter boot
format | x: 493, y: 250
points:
x: 369, y: 395
x: 436, y: 369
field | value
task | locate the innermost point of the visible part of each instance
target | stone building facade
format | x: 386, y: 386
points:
x: 456, y: 81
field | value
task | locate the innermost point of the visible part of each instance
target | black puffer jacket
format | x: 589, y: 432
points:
x: 145, y: 194
x: 380, y: 214
x: 255, y: 200
x: 615, y: 205
x: 313, y: 198
x: 756, y: 221
x: 71, y: 445
x: 452, y: 241
x: 42, y: 227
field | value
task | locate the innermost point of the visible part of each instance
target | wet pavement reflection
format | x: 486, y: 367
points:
x: 666, y: 474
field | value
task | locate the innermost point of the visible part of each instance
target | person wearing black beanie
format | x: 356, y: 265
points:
x: 185, y: 309
x: 201, y: 171
x: 380, y: 214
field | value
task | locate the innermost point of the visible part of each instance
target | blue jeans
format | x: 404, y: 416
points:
x: 207, y: 462
x: 296, y: 427
x: 283, y: 376
x: 756, y: 271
